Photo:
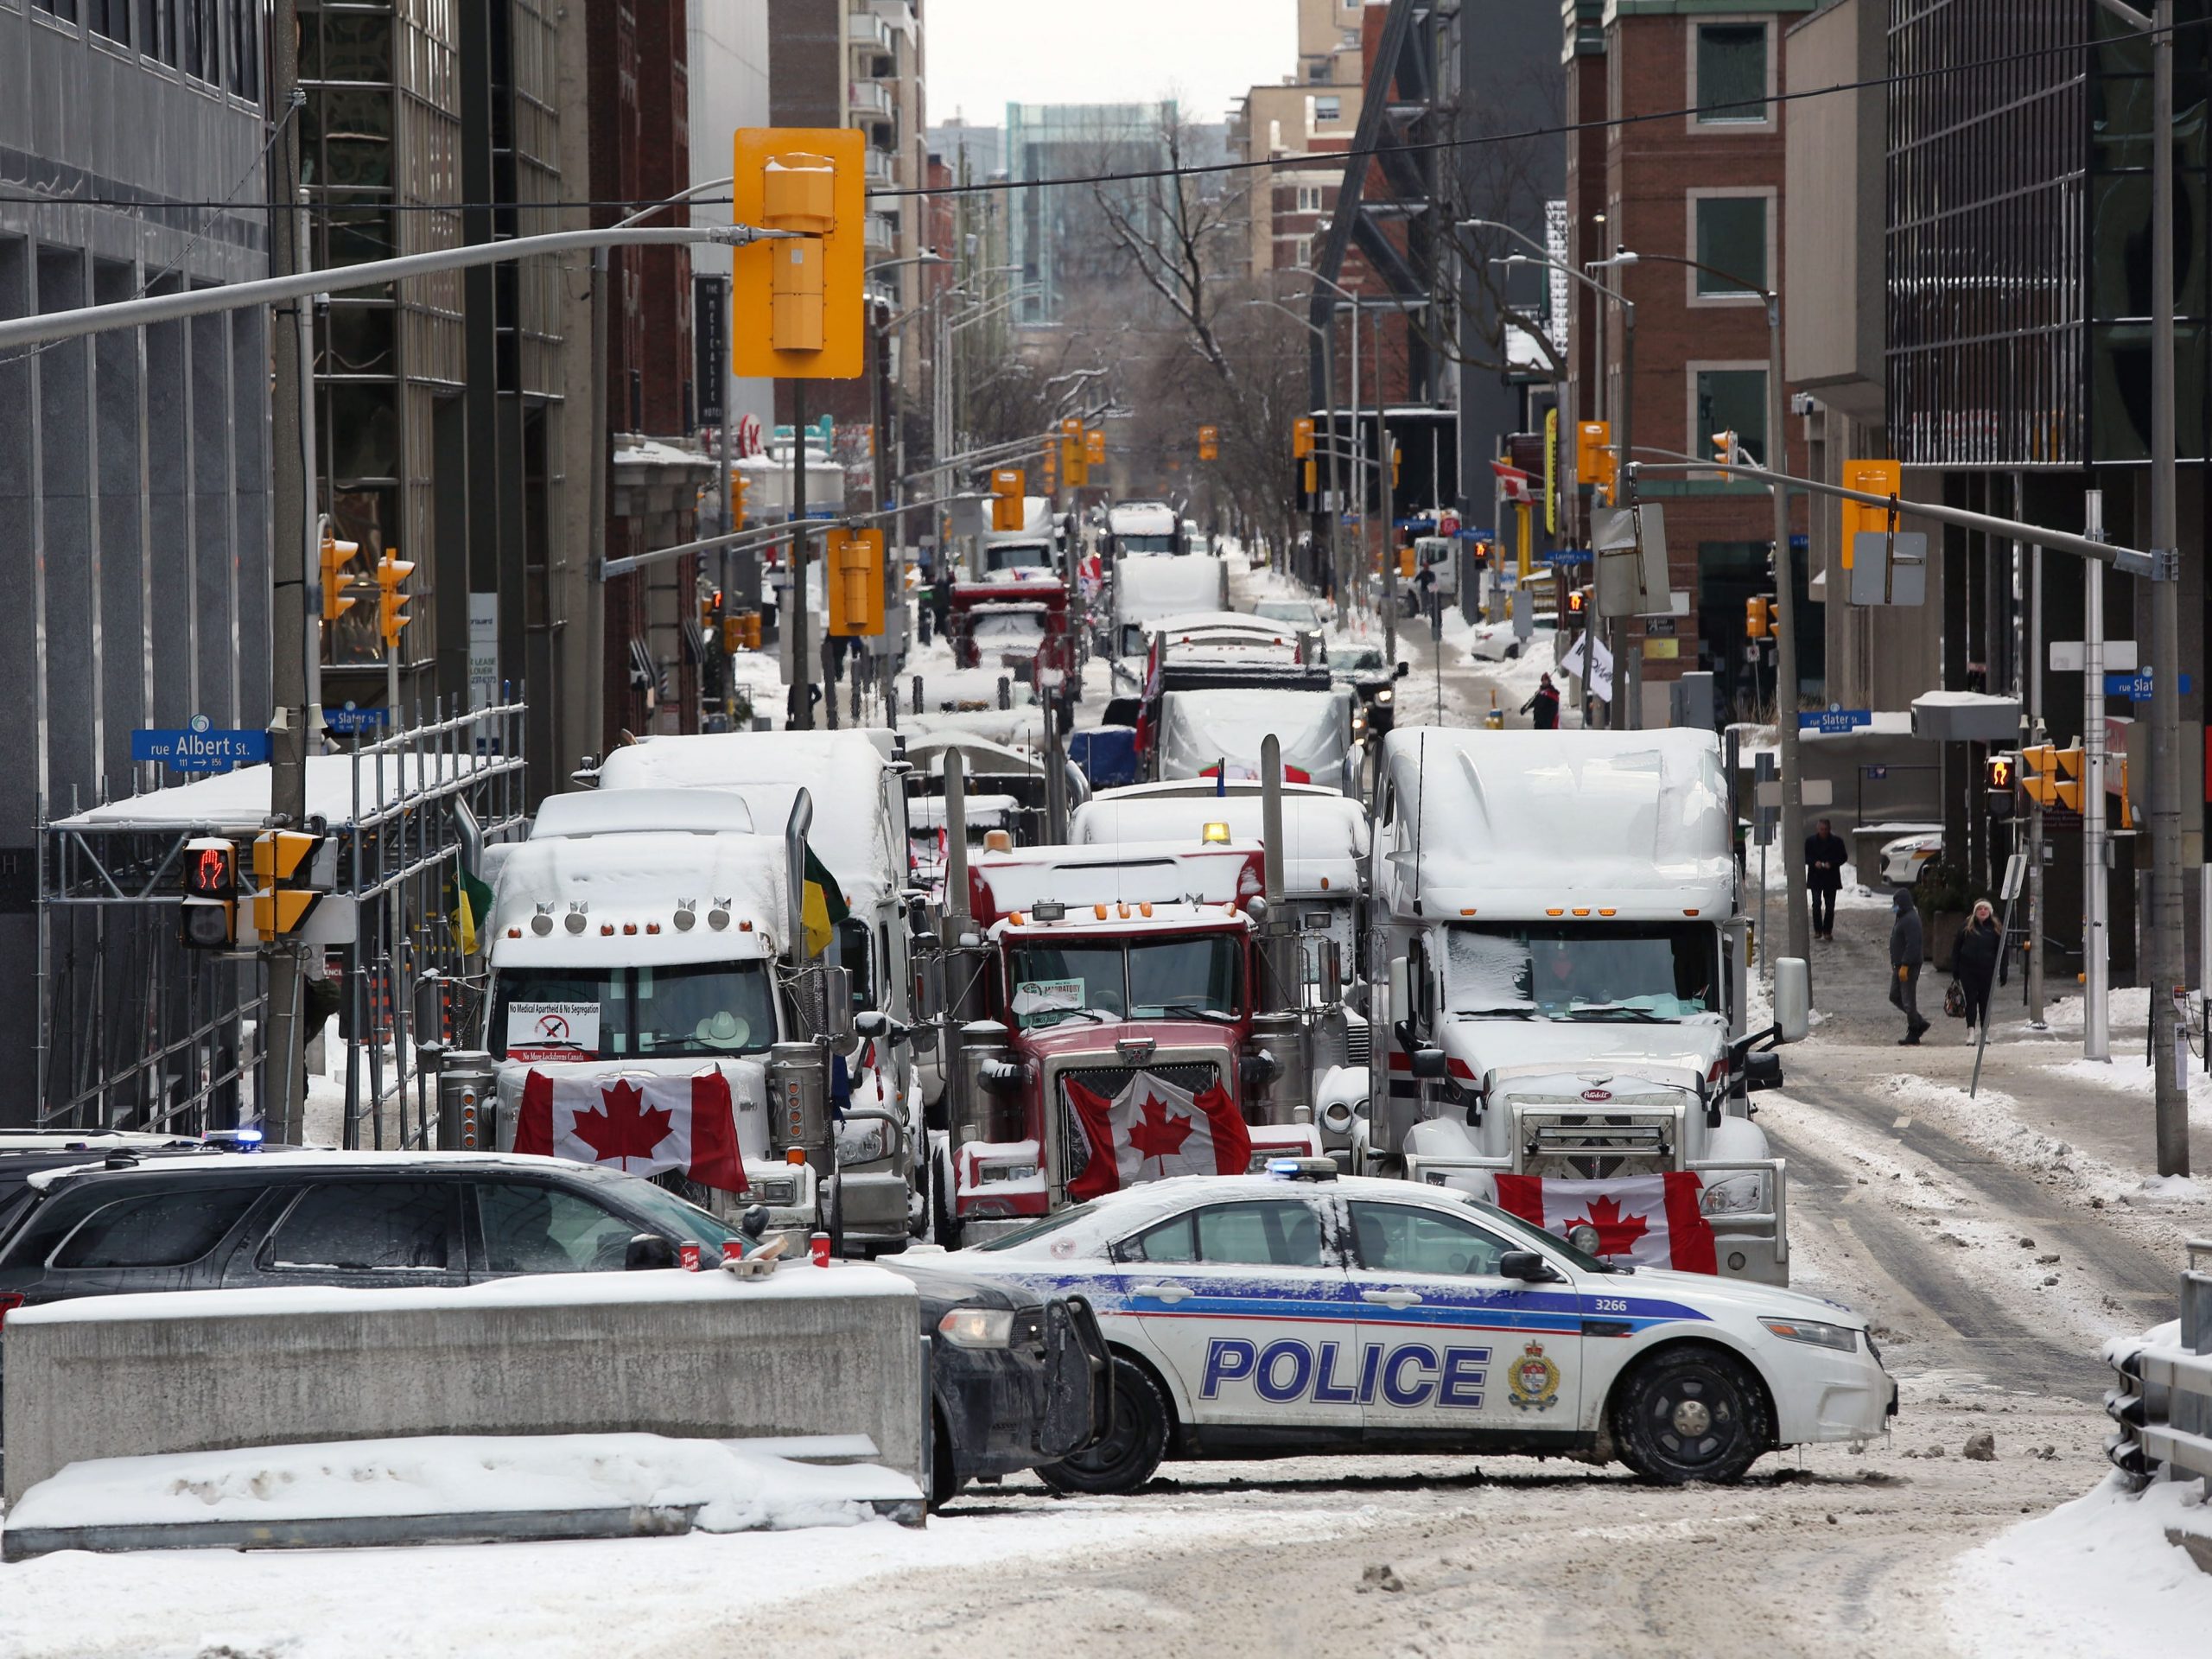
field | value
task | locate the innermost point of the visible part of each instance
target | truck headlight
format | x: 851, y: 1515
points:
x: 1385, y: 694
x: 860, y: 1143
x: 776, y: 1195
x: 1841, y: 1338
x: 977, y: 1327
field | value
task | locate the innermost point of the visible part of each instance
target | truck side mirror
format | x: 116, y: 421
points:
x: 1793, y: 999
x: 1404, y: 668
x: 1430, y: 1064
x: 1400, y: 977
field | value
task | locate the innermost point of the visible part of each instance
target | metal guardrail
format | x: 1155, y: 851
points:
x: 2163, y: 1400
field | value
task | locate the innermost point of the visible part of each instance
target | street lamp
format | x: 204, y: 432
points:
x: 1328, y: 338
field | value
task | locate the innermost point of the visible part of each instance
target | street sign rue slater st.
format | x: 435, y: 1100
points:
x: 200, y: 747
x: 1835, y: 720
x: 2136, y: 688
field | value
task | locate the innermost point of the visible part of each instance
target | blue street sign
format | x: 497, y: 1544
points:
x: 2136, y: 688
x: 1567, y: 556
x: 350, y: 721
x: 1835, y: 720
x: 200, y: 747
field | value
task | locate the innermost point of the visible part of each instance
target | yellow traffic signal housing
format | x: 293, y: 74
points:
x: 2052, y: 776
x: 1875, y: 478
x: 391, y: 604
x: 710, y: 611
x: 1094, y: 447
x: 208, y: 920
x: 853, y: 563
x: 1009, y: 507
x: 1728, y: 449
x: 797, y: 301
x: 336, y: 555
x: 739, y: 484
x: 1593, y: 452
x: 1758, y: 624
x: 1208, y: 443
x: 284, y: 874
x: 1301, y: 438
x: 1313, y: 476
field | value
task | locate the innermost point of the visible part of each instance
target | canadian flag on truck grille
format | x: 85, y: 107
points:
x: 1152, y: 1129
x: 1651, y: 1220
x: 642, y: 1124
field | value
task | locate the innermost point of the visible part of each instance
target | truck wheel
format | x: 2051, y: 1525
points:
x: 1132, y: 1448
x: 943, y: 1222
x: 944, y: 1474
x: 1691, y: 1414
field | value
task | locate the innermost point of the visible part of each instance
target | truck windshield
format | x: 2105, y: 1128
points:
x: 1126, y: 542
x: 696, y: 1011
x: 1020, y: 556
x: 1124, y: 979
x: 1583, y: 970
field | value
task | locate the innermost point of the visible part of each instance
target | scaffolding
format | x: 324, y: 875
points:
x: 137, y: 1032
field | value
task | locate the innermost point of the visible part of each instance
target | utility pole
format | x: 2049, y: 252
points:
x: 2167, y: 963
x: 1384, y: 490
x: 1785, y: 648
x: 799, y: 710
x: 2037, y: 734
x: 2096, y: 937
x: 292, y: 507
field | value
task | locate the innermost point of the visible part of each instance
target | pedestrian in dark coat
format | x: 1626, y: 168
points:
x: 1975, y: 955
x: 1905, y: 957
x: 1825, y: 855
x: 1543, y: 703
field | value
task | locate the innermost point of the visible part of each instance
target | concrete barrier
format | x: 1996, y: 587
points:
x: 806, y: 1351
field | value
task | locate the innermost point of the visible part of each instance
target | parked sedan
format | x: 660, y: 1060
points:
x: 1017, y: 1379
x: 1495, y: 642
x: 1904, y: 859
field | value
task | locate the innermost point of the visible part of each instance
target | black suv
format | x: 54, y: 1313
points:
x: 1017, y: 1380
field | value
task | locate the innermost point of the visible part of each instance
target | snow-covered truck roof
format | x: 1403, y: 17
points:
x: 1141, y: 517
x: 856, y: 801
x: 1200, y: 730
x: 1148, y: 586
x: 1632, y: 826
x: 1324, y: 835
x: 1085, y: 878
x: 628, y: 811
x: 636, y: 890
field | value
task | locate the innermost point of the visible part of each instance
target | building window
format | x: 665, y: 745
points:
x: 109, y: 19
x: 1731, y: 83
x: 1328, y: 109
x: 1309, y: 198
x: 199, y: 55
x: 246, y: 47
x: 1731, y: 237
x: 65, y: 9
x: 1302, y: 251
x: 1731, y: 399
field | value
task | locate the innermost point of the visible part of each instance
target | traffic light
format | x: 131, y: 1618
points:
x: 2000, y: 772
x: 1875, y: 478
x: 209, y: 918
x: 1578, y: 602
x: 1313, y: 476
x: 1094, y: 447
x: 1759, y: 618
x: 1009, y: 492
x: 710, y: 611
x: 1208, y: 443
x: 740, y: 486
x: 2052, y: 776
x: 1074, y: 471
x: 796, y: 302
x: 1593, y: 452
x: 285, y: 891
x: 336, y: 555
x: 1301, y: 437
x: 1397, y: 462
x: 853, y: 563
x: 391, y: 604
x: 1728, y: 450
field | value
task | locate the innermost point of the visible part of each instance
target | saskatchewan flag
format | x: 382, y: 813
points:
x: 468, y: 902
x: 822, y: 907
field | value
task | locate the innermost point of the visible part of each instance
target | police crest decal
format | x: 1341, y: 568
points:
x: 1534, y: 1380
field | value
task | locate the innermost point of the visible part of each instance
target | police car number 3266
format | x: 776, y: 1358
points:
x: 1309, y: 1313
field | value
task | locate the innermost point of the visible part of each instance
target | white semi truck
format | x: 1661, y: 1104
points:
x: 647, y: 977
x: 1565, y: 995
x: 856, y: 785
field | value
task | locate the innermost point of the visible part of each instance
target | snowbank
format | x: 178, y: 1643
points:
x: 2094, y: 1577
x: 735, y: 1485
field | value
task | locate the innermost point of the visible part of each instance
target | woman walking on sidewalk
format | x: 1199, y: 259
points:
x: 1975, y: 956
x: 1906, y: 954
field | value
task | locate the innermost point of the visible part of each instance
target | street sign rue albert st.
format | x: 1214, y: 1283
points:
x: 200, y: 747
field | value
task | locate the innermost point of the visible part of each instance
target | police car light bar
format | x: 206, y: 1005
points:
x: 1302, y: 1169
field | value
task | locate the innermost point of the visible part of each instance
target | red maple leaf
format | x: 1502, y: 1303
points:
x: 625, y: 1129
x: 1616, y: 1232
x: 1155, y: 1134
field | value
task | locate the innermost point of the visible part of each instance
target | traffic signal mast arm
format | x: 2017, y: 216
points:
x: 2129, y: 560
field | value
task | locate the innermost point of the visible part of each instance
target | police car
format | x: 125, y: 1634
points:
x: 1313, y: 1314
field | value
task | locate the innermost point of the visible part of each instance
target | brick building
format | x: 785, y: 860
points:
x: 1703, y: 181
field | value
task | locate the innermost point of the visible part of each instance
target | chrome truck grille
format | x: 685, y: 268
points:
x: 1585, y: 1146
x: 1107, y: 1081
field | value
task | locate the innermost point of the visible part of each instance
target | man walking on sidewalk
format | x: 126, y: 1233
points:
x: 1544, y: 704
x: 1825, y: 854
x: 1905, y: 957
